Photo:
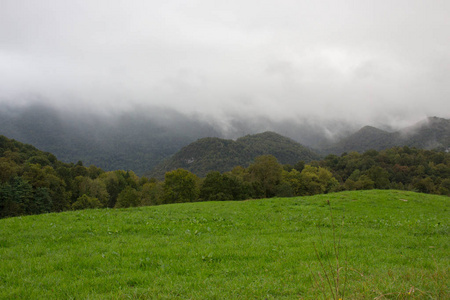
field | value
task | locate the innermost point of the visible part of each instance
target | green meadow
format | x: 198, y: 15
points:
x: 391, y: 245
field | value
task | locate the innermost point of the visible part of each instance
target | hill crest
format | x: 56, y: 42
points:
x: 431, y: 133
x: 216, y: 154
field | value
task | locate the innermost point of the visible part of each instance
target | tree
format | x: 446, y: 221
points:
x: 236, y: 187
x: 129, y: 197
x: 95, y: 188
x: 79, y: 169
x: 115, y: 183
x: 299, y: 165
x: 152, y: 193
x: 444, y: 188
x: 8, y: 169
x: 219, y: 187
x: 350, y: 185
x: 364, y: 183
x: 316, y: 180
x: 57, y: 190
x: 42, y: 202
x: 379, y: 176
x: 94, y: 172
x: 15, y: 197
x: 39, y: 159
x: 293, y: 180
x: 7, y: 208
x: 425, y: 185
x: 213, y: 188
x: 85, y: 202
x: 266, y: 172
x: 284, y: 189
x: 180, y: 186
x: 355, y: 175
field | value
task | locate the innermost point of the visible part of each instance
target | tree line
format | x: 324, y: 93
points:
x: 35, y: 182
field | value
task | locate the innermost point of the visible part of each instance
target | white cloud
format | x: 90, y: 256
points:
x: 363, y: 60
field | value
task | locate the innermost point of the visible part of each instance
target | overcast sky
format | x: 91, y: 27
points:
x: 360, y: 60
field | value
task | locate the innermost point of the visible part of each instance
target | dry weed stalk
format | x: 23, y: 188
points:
x: 333, y: 271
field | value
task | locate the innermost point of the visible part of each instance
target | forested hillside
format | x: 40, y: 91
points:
x: 404, y: 168
x: 141, y: 139
x: 214, y: 154
x: 135, y: 140
x: 34, y: 182
x: 432, y: 133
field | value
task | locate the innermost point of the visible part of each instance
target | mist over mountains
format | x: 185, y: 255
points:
x: 430, y: 133
x: 141, y: 139
x: 134, y: 141
x: 126, y: 84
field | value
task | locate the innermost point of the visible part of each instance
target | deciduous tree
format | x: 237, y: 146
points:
x: 266, y: 172
x: 180, y: 186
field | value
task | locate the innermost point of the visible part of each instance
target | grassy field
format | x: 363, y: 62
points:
x: 394, y: 245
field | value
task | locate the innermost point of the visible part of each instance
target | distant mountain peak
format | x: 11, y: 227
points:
x: 215, y: 154
x: 370, y: 129
x: 437, y: 119
x: 430, y: 133
x: 265, y: 134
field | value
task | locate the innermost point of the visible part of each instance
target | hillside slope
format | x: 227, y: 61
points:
x: 215, y: 154
x: 135, y: 141
x: 432, y: 133
x: 140, y: 140
x: 259, y: 249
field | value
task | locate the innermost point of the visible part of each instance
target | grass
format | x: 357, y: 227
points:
x: 334, y: 268
x: 396, y: 245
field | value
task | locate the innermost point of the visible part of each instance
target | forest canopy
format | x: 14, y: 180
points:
x: 35, y: 182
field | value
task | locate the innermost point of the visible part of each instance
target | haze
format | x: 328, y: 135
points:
x: 364, y: 61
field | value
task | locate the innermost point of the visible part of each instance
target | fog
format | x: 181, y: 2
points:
x: 240, y: 65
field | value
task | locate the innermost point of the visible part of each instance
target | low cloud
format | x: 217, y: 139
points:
x: 366, y: 62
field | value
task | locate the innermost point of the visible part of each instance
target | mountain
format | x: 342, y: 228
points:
x: 135, y: 141
x: 141, y: 139
x: 286, y: 150
x: 215, y: 154
x: 364, y: 139
x: 13, y: 152
x: 431, y: 133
